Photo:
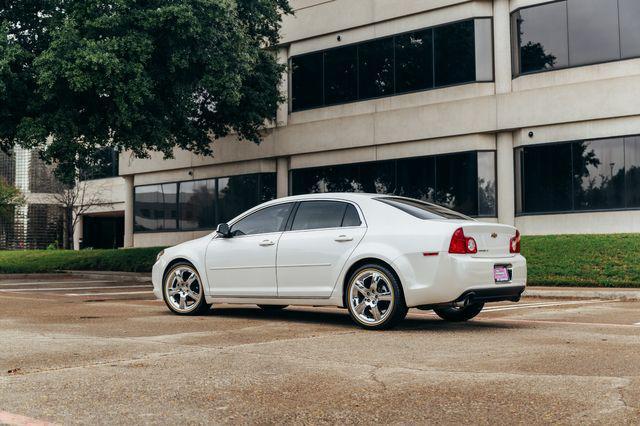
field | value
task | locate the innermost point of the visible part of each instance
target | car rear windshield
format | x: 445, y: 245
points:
x: 421, y: 209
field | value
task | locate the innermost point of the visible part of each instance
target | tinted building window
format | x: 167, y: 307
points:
x: 318, y: 215
x: 375, y: 67
x: 454, y: 53
x: 579, y: 176
x: 414, y: 61
x: 632, y: 170
x: 574, y: 33
x: 347, y: 178
x: 457, y: 182
x: 341, y: 75
x: 546, y: 178
x: 598, y: 172
x: 394, y: 65
x: 306, y: 81
x: 593, y: 31
x: 197, y: 204
x: 417, y: 178
x: 156, y: 207
x: 464, y: 182
x: 630, y: 28
x: 486, y: 184
x: 541, y: 36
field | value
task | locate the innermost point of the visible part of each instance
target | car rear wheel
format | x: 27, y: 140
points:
x: 374, y: 298
x: 457, y: 314
x: 272, y: 307
x: 183, y: 291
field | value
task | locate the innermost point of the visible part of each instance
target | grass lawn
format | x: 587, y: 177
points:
x: 30, y: 261
x: 563, y: 260
x: 583, y: 260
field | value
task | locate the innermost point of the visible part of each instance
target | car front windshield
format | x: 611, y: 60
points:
x: 421, y: 209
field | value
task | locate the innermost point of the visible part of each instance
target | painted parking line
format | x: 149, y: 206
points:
x: 638, y: 323
x: 543, y: 305
x: 531, y: 321
x: 72, y: 288
x: 110, y: 294
x: 7, y: 418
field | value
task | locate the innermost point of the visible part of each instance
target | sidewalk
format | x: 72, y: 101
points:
x: 583, y: 293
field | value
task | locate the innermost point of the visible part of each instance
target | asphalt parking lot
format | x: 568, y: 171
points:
x: 94, y: 351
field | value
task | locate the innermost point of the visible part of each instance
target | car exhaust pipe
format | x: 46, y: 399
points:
x: 468, y: 300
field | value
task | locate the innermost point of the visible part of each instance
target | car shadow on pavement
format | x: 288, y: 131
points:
x: 342, y: 319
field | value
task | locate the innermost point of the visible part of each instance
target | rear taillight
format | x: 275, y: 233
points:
x: 461, y: 244
x: 514, y: 244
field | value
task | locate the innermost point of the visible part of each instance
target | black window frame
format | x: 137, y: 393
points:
x: 519, y: 190
x: 178, y: 228
x: 515, y: 45
x: 395, y: 93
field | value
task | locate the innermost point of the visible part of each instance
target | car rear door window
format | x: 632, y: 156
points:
x: 319, y: 215
x: 269, y: 219
x: 351, y: 217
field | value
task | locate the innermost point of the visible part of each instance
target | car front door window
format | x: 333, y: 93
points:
x: 270, y: 219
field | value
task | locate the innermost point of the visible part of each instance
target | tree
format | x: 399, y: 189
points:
x: 75, y: 200
x: 135, y: 75
x: 10, y: 198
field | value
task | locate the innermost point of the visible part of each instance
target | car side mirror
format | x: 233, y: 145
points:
x: 223, y: 230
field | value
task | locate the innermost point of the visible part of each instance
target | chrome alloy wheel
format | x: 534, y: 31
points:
x: 371, y: 297
x: 183, y: 289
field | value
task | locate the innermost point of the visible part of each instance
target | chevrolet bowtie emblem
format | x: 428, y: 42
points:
x: 494, y: 235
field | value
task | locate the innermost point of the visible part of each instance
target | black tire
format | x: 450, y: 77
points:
x: 455, y: 314
x: 272, y: 307
x: 398, y: 307
x: 198, y: 308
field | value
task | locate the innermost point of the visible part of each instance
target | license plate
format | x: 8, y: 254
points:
x: 501, y: 274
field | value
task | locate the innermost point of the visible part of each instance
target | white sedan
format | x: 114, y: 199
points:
x: 376, y: 255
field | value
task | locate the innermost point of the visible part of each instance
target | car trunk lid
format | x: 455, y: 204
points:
x: 492, y: 240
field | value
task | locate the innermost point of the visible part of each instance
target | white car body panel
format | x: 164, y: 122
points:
x: 312, y: 268
x: 243, y: 266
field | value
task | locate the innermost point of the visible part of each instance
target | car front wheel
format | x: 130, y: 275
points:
x: 457, y: 314
x: 183, y: 291
x: 374, y: 298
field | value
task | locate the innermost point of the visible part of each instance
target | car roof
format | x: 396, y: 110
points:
x: 347, y: 196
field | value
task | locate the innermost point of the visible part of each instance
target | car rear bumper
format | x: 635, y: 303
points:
x: 446, y: 278
x: 493, y: 294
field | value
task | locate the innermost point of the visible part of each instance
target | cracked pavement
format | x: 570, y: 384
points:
x: 126, y: 359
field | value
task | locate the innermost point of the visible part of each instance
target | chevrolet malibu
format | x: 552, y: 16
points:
x: 376, y: 255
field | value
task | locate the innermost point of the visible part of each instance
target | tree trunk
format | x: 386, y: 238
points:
x: 67, y: 231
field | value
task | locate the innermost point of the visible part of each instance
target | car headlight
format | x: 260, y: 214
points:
x: 159, y: 255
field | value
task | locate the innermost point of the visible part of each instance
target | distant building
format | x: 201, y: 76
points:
x: 524, y: 112
x: 38, y: 223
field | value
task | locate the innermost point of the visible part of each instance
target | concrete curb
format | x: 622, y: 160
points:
x: 583, y: 293
x: 89, y: 275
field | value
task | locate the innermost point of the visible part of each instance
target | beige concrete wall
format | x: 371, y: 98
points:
x: 165, y: 239
x: 580, y: 223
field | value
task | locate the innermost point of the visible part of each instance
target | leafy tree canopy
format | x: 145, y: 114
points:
x: 10, y: 197
x: 135, y: 75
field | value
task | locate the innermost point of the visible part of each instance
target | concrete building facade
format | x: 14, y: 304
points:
x: 525, y: 112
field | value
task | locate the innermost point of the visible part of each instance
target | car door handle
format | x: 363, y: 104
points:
x: 343, y: 238
x: 266, y: 243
